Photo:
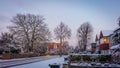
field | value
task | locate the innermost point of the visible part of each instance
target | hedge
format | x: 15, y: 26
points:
x: 25, y: 55
x: 102, y: 58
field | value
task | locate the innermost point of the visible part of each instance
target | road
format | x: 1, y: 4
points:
x: 5, y: 64
x: 43, y: 64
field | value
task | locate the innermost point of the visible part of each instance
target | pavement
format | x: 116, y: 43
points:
x: 21, y: 61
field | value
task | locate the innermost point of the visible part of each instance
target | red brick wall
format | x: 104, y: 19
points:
x: 53, y: 46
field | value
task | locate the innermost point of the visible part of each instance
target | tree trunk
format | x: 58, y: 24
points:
x: 60, y: 47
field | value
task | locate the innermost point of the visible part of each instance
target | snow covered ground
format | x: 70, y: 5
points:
x: 42, y: 64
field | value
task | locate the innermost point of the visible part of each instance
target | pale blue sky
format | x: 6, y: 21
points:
x: 102, y: 14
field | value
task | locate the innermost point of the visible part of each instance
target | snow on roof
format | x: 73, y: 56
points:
x: 115, y: 46
x: 117, y: 28
x: 107, y: 32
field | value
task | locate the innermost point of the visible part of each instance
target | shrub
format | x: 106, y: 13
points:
x: 1, y: 51
x: 105, y: 58
x: 7, y: 51
x: 25, y: 55
x: 15, y: 51
x: 75, y: 58
x: 86, y: 58
x: 6, y: 56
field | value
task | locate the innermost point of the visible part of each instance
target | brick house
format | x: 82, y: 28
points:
x: 53, y: 47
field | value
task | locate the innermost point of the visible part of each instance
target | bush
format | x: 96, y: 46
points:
x: 6, y: 56
x: 25, y: 55
x: 15, y: 51
x: 1, y: 51
x: 75, y: 58
x: 7, y: 51
x: 86, y: 58
x: 105, y: 58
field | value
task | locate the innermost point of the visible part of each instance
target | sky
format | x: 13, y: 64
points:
x: 102, y: 14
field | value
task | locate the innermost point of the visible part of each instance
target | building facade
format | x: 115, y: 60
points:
x: 53, y: 48
x: 102, y: 44
x: 115, y: 38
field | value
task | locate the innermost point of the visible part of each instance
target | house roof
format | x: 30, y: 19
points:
x: 104, y: 33
x: 101, y: 35
x: 107, y: 32
x: 118, y: 28
x: 96, y: 39
x: 115, y: 46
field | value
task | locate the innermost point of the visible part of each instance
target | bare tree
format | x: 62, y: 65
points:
x: 84, y: 34
x: 8, y: 40
x: 62, y: 32
x: 65, y: 47
x: 29, y: 29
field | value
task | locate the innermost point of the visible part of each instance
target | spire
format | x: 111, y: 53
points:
x: 101, y: 35
x: 96, y: 39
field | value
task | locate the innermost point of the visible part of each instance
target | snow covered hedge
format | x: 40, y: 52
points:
x: 90, y: 58
x: 80, y: 58
x: 105, y: 58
